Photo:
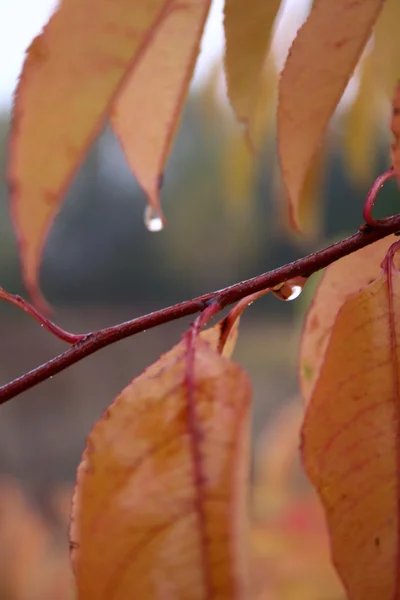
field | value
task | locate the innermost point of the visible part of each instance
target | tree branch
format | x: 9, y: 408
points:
x: 304, y: 267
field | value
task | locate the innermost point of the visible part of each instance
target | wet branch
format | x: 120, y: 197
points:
x: 92, y: 342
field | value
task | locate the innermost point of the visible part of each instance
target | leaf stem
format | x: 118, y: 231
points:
x: 92, y: 342
x: 372, y: 194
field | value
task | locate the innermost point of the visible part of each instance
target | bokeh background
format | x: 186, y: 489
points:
x: 226, y: 221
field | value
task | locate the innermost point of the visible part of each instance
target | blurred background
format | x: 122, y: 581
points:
x: 226, y: 221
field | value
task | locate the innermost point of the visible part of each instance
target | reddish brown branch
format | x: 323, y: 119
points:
x: 305, y: 267
x: 65, y: 336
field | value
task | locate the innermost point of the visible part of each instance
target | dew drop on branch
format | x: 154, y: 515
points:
x: 153, y: 219
x: 289, y: 290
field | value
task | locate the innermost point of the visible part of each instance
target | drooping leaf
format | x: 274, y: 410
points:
x: 71, y: 74
x: 238, y: 170
x: 262, y: 118
x: 395, y: 129
x: 386, y: 50
x: 340, y: 280
x: 310, y: 206
x: 350, y: 438
x: 147, y: 111
x: 361, y: 143
x: 319, y: 65
x: 162, y: 485
x: 240, y: 152
x: 247, y: 34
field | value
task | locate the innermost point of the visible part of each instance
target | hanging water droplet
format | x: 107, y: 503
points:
x: 153, y: 219
x: 289, y: 290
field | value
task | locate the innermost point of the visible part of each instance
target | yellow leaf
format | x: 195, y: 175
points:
x: 362, y: 126
x: 386, y: 51
x: 238, y: 170
x: 395, y: 129
x: 351, y: 438
x: 262, y: 117
x: 340, y: 280
x: 71, y: 75
x: 147, y: 111
x: 162, y: 485
x: 319, y: 65
x: 310, y: 209
x: 247, y: 33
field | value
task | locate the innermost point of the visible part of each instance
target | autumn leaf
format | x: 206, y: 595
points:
x: 247, y: 35
x: 386, y: 50
x: 262, y: 118
x: 238, y: 171
x: 362, y: 126
x: 310, y: 206
x: 340, y: 280
x: 395, y: 128
x: 239, y: 163
x: 162, y: 485
x: 72, y: 72
x: 319, y: 65
x: 351, y: 437
x: 148, y: 109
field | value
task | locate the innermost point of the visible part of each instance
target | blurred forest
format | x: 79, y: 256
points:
x: 226, y: 221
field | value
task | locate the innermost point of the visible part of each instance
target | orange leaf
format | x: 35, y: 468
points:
x: 310, y: 206
x: 351, y: 438
x: 148, y: 110
x: 395, y: 128
x: 362, y: 126
x: 319, y: 65
x: 70, y: 77
x: 162, y: 485
x: 386, y: 50
x: 239, y: 168
x: 247, y: 33
x: 261, y: 121
x: 340, y: 280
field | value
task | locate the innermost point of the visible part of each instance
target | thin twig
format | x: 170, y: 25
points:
x: 62, y: 334
x: 95, y: 341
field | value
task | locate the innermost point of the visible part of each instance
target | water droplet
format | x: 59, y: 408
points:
x: 153, y: 219
x: 290, y: 290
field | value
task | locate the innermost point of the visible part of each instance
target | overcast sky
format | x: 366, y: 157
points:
x: 21, y: 20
